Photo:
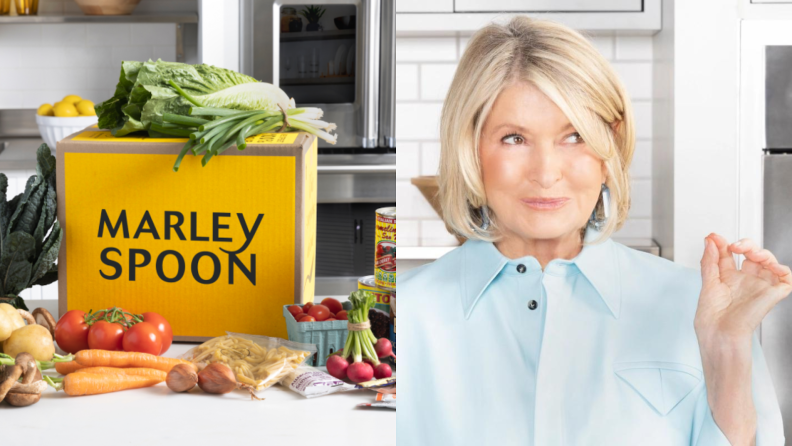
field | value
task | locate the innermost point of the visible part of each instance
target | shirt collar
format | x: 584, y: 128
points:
x: 482, y: 262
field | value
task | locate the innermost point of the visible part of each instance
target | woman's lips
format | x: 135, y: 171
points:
x: 545, y: 204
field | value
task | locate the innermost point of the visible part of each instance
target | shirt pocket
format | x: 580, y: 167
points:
x: 661, y: 384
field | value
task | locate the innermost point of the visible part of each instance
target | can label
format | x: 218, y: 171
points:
x: 367, y: 283
x: 385, y: 254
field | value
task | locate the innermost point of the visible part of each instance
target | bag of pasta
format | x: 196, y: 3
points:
x: 259, y: 361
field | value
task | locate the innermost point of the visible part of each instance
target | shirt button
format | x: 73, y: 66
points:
x: 520, y: 268
x: 532, y: 305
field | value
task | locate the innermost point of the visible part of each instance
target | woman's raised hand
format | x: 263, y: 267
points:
x: 734, y: 301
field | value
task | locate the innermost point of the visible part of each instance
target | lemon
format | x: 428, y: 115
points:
x: 86, y: 108
x: 65, y: 110
x: 72, y: 99
x: 45, y: 110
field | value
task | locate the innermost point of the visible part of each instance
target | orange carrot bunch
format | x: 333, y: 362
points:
x: 95, y: 372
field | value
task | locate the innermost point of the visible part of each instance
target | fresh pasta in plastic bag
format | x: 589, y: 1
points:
x: 259, y: 361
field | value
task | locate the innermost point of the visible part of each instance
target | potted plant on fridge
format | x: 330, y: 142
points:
x: 313, y: 14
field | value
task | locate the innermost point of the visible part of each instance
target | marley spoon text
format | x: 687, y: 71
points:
x: 174, y: 226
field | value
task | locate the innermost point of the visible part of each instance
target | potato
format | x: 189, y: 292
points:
x: 34, y: 339
x: 10, y: 320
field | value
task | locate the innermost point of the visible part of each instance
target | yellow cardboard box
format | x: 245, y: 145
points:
x: 213, y: 249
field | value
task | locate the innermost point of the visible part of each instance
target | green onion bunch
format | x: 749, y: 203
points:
x: 211, y: 131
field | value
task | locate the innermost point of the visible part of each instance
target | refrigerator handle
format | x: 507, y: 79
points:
x: 387, y: 134
x: 370, y: 71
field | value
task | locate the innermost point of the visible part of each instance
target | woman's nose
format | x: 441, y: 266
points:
x: 544, y: 165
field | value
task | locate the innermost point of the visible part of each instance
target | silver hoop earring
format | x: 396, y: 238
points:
x: 601, y: 212
x: 485, y: 219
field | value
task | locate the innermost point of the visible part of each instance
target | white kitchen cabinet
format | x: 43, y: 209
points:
x: 547, y: 5
x: 424, y: 6
x: 416, y: 17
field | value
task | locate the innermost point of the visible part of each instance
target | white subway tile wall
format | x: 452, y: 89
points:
x: 42, y: 63
x: 425, y: 66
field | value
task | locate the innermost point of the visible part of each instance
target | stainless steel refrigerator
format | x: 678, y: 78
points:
x: 776, y: 330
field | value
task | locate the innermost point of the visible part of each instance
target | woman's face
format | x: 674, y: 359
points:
x: 541, y: 179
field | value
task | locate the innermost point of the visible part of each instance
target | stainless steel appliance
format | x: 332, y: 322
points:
x: 343, y: 63
x: 336, y: 67
x: 776, y: 329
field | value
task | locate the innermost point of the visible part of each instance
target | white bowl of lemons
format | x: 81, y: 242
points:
x: 63, y: 118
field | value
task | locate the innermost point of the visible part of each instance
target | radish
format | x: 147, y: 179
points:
x: 383, y: 348
x: 382, y: 371
x: 359, y: 372
x: 337, y: 366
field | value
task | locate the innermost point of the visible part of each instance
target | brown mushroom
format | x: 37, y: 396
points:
x: 28, y: 364
x: 9, y: 376
x: 44, y: 318
x: 27, y: 317
x: 22, y: 399
x: 29, y: 390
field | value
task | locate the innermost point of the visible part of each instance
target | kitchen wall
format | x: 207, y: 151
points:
x: 424, y: 68
x: 41, y: 63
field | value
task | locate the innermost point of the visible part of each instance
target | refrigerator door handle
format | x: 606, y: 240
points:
x: 369, y: 68
x: 388, y: 76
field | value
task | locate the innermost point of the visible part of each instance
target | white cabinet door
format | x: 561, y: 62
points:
x: 425, y: 6
x: 547, y: 5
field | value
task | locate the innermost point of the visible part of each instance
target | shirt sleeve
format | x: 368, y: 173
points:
x: 769, y: 425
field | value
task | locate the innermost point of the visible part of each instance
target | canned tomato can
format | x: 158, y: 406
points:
x: 385, y: 249
x: 369, y: 284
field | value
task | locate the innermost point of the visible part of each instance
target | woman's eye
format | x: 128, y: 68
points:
x: 574, y: 138
x: 513, y: 139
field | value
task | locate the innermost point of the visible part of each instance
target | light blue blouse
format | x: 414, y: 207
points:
x: 597, y: 350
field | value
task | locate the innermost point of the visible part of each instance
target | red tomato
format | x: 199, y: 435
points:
x: 319, y: 312
x: 71, y: 332
x: 105, y: 335
x: 307, y: 307
x: 164, y: 328
x: 330, y: 319
x: 295, y: 310
x: 307, y: 318
x: 143, y: 337
x: 342, y: 316
x: 332, y: 304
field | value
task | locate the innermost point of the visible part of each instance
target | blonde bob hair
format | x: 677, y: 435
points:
x: 563, y: 65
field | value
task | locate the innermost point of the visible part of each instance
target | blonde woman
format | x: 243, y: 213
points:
x: 540, y: 329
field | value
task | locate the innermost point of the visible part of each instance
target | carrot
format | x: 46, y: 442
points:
x: 104, y: 358
x: 64, y: 368
x: 93, y: 384
x: 135, y: 371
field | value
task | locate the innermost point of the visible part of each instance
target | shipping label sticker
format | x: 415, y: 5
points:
x: 105, y: 136
x: 272, y: 138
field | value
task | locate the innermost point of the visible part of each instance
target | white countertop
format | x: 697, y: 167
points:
x: 158, y: 416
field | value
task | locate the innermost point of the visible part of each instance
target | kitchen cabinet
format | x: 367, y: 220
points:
x: 439, y: 16
x: 548, y: 5
x: 424, y: 6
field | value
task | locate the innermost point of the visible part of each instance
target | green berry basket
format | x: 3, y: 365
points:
x: 328, y: 336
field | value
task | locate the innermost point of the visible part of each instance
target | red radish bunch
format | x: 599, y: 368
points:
x: 359, y: 361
